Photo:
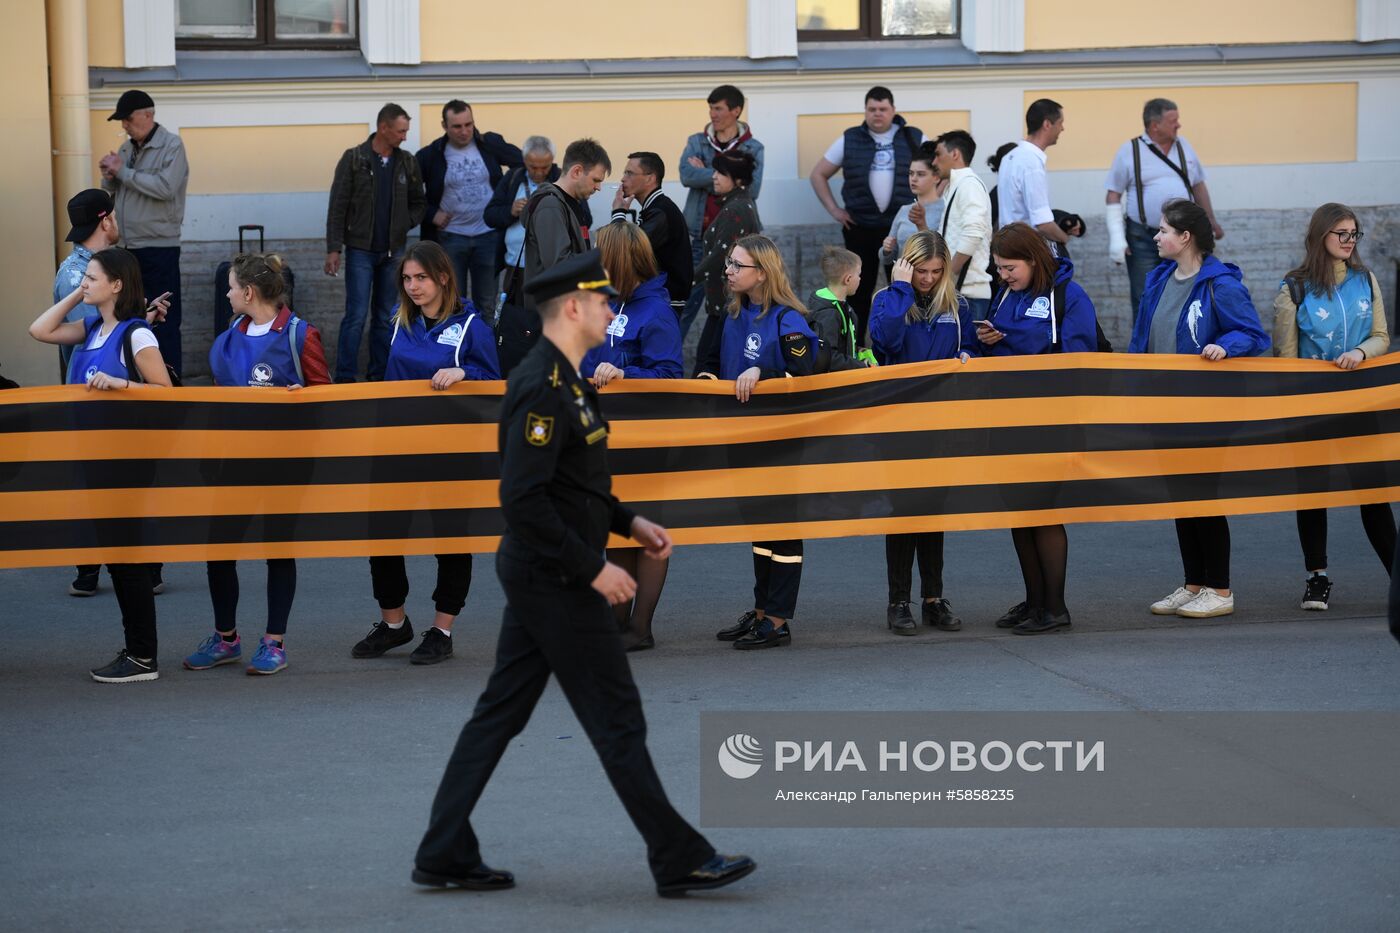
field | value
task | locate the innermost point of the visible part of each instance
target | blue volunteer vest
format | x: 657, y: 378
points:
x: 417, y: 352
x: 1329, y: 326
x: 86, y: 363
x: 750, y: 340
x: 268, y: 360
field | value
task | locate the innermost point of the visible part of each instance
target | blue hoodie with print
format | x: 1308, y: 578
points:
x: 1028, y: 321
x: 1218, y: 310
x: 644, y: 340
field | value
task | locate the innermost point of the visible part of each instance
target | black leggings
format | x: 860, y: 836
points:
x: 1376, y: 518
x: 132, y: 584
x: 1205, y: 550
x: 899, y: 564
x: 454, y: 580
x: 1044, y: 556
x: 281, y: 590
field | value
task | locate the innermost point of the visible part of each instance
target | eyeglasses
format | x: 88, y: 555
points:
x: 1347, y: 236
x: 731, y: 264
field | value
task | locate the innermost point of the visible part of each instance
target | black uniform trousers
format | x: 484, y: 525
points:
x: 777, y: 574
x: 571, y: 633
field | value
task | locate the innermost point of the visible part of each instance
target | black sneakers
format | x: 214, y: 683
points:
x: 435, y: 646
x: 381, y: 638
x: 84, y: 584
x: 740, y: 628
x: 1317, y: 591
x: 126, y: 670
x: 900, y: 620
x: 939, y: 614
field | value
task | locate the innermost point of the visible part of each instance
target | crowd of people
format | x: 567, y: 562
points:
x: 970, y: 273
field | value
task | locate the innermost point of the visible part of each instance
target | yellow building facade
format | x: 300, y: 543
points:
x: 1289, y: 103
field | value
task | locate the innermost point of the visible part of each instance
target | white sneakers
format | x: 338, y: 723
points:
x: 1207, y: 604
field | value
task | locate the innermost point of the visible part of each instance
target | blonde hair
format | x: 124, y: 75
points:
x: 836, y: 263
x: 775, y: 289
x: 438, y: 265
x: 627, y: 256
x: 921, y: 247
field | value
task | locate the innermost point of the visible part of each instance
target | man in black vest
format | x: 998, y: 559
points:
x: 873, y: 159
x: 660, y: 219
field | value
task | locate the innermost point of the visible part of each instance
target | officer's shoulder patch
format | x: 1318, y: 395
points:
x: 539, y: 429
x: 554, y: 377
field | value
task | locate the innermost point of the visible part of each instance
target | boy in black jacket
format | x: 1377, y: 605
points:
x: 832, y: 319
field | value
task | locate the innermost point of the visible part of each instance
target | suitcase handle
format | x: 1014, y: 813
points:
x: 243, y: 228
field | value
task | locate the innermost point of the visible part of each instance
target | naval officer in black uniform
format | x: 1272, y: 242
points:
x: 558, y: 507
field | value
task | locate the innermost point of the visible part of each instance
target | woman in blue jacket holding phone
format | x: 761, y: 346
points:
x: 1195, y: 304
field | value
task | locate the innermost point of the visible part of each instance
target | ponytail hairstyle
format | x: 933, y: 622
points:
x: 1185, y: 216
x: 1315, y: 272
x: 262, y: 272
x: 121, y: 266
x: 1022, y: 241
x: 921, y: 247
x: 775, y: 289
x: 435, y: 261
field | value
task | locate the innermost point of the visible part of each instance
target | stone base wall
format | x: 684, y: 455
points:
x: 1263, y: 243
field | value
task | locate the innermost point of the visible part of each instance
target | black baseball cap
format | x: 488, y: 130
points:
x: 581, y: 273
x: 129, y: 102
x: 85, y: 211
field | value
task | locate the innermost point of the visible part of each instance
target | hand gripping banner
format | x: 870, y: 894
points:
x: 396, y: 468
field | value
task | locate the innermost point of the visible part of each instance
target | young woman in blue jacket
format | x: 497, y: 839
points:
x: 115, y: 349
x: 265, y: 346
x: 765, y: 336
x: 643, y: 342
x: 1340, y: 318
x: 920, y: 317
x: 1195, y: 304
x: 1026, y: 318
x: 440, y: 337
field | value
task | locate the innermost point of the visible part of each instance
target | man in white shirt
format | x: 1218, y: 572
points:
x: 1147, y: 172
x: 967, y: 219
x: 1023, y: 194
x: 872, y: 157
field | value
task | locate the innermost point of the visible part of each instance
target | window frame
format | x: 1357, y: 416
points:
x: 872, y: 28
x: 264, y: 34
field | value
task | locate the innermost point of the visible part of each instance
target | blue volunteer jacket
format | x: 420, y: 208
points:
x: 1218, y: 311
x: 755, y: 339
x: 1029, y: 323
x: 644, y: 340
x: 897, y: 341
x: 1330, y: 325
x: 463, y: 340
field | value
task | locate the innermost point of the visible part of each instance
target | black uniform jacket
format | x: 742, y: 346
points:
x: 556, y: 492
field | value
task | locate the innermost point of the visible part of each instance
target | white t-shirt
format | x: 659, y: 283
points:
x: 259, y: 330
x: 882, y: 178
x: 1160, y: 182
x: 466, y: 190
x: 141, y: 338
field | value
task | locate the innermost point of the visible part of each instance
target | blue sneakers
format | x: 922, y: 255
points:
x: 269, y: 658
x: 214, y: 651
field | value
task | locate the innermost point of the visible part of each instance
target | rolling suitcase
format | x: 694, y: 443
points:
x: 223, y: 312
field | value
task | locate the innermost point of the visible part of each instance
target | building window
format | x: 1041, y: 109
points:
x: 241, y: 24
x: 824, y: 20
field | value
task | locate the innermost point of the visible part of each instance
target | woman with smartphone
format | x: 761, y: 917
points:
x: 115, y: 349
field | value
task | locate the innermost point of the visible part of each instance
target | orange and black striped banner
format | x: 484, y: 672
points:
x: 395, y: 468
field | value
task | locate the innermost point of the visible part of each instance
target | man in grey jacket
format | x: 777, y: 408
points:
x: 147, y: 177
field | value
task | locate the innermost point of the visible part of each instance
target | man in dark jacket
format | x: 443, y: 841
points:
x: 461, y: 170
x: 376, y: 198
x: 873, y: 160
x: 660, y: 219
x: 513, y: 193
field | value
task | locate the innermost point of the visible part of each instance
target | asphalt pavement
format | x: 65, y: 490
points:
x: 218, y: 801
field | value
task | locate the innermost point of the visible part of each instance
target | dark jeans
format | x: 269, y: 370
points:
x: 160, y: 273
x: 899, y: 564
x: 132, y: 584
x: 1205, y: 550
x: 1142, y: 259
x: 570, y: 633
x: 865, y: 242
x: 371, y: 287
x: 389, y: 577
x: 777, y: 574
x: 1377, y: 519
x: 281, y: 590
x: 696, y: 301
x: 474, y: 258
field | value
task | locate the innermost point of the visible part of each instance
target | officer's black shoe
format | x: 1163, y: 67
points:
x: 939, y: 614
x: 716, y: 873
x: 900, y: 620
x: 381, y: 638
x: 1042, y: 623
x: 1014, y: 616
x: 436, y: 646
x: 765, y: 635
x: 739, y: 629
x: 481, y: 878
